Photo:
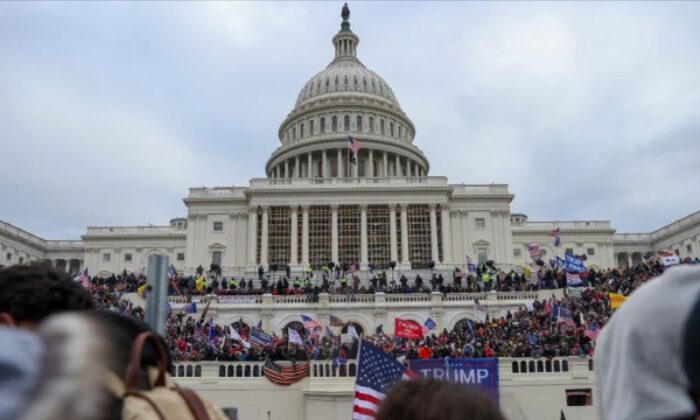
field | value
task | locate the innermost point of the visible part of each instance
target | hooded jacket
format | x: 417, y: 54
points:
x: 638, y: 367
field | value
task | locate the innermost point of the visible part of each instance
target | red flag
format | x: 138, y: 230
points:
x: 407, y: 329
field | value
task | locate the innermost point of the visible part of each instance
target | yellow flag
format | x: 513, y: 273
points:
x: 527, y: 271
x: 616, y: 300
x: 141, y: 289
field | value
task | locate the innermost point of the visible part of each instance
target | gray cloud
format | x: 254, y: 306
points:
x: 110, y: 111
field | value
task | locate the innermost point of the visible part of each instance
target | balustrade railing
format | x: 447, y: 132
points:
x: 417, y: 297
x: 525, y: 366
x: 463, y: 297
x: 351, y: 298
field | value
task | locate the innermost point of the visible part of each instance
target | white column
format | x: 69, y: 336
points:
x: 370, y: 168
x: 397, y: 166
x: 252, y: 236
x: 324, y: 166
x: 294, y: 260
x: 341, y: 167
x: 309, y: 167
x: 297, y: 167
x: 305, y: 236
x: 356, y: 166
x: 263, y: 237
x: 446, y: 235
x: 385, y: 165
x: 334, y: 233
x: 392, y: 230
x: 363, y: 236
x: 404, y: 236
x: 433, y: 235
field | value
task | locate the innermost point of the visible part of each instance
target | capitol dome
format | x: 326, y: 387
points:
x: 346, y: 101
x: 347, y: 76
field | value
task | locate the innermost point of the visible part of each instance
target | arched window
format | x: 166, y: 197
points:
x: 391, y: 129
x: 294, y: 133
x: 318, y: 86
x: 381, y: 127
x: 323, y: 125
x: 286, y: 134
x: 198, y: 371
x: 364, y: 83
x: 346, y: 123
x: 311, y: 127
x: 359, y: 123
x: 564, y: 365
x: 515, y: 367
x: 301, y: 130
x: 334, y: 123
x: 371, y: 124
x: 188, y: 371
x: 328, y: 83
x: 400, y: 131
x: 336, y: 83
x: 374, y: 87
x: 229, y: 371
x: 345, y: 81
x: 354, y: 79
x: 222, y: 371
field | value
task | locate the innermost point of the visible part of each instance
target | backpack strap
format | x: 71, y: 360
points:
x: 131, y: 381
x: 150, y: 402
x: 194, y: 403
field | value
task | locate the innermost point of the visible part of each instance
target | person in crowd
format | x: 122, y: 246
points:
x: 20, y: 355
x: 638, y: 360
x: 30, y: 293
x: 429, y: 399
x: 691, y: 353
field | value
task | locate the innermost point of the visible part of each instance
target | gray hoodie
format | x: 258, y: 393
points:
x: 638, y: 355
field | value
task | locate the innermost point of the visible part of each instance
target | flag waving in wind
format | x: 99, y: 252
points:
x: 376, y: 372
x: 353, y: 145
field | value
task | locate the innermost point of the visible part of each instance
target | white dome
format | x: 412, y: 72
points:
x: 346, y: 76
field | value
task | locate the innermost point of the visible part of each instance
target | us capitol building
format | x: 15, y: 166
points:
x: 320, y: 202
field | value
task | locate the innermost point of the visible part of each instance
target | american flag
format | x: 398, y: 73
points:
x: 353, y: 144
x: 310, y: 323
x: 376, y: 372
x: 592, y: 332
x: 564, y: 317
x: 285, y: 375
x: 554, y: 233
x: 84, y: 278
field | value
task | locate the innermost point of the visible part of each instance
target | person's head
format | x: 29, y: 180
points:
x: 74, y: 373
x: 429, y: 399
x: 30, y: 293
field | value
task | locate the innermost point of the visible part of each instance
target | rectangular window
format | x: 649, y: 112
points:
x: 688, y: 249
x: 483, y: 255
x: 570, y: 251
x: 9, y: 256
x: 517, y: 253
x: 480, y: 223
x: 579, y: 397
x: 127, y: 257
x: 216, y: 257
x: 590, y: 251
x: 419, y: 244
x: 181, y: 256
x: 359, y: 123
x: 106, y: 257
x: 218, y: 226
x: 21, y: 260
x: 348, y: 234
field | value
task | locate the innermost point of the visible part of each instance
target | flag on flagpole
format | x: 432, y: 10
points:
x: 310, y: 323
x: 554, y: 232
x: 616, y: 300
x: 353, y: 144
x: 336, y: 322
x: 408, y: 329
x: 294, y: 337
x: 235, y: 336
x: 212, y: 331
x: 260, y: 337
x: 564, y: 317
x: 353, y: 332
x: 190, y: 308
x: 376, y: 372
x: 573, y: 279
x: 428, y: 326
x: 592, y: 332
x: 172, y: 271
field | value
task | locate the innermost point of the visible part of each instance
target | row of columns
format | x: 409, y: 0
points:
x: 283, y: 170
x: 364, y: 257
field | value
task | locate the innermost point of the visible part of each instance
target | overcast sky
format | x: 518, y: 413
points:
x: 109, y: 112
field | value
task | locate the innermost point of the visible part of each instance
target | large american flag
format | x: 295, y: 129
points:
x: 376, y: 372
x: 310, y: 323
x: 353, y: 144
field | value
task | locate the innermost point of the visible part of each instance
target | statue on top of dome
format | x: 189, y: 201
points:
x: 345, y: 14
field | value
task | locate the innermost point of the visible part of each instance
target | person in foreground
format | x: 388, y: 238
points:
x: 638, y: 358
x: 436, y: 400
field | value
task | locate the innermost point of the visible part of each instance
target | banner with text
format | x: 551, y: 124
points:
x: 481, y: 373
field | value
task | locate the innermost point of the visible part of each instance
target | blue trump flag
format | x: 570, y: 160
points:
x: 481, y: 373
x: 573, y: 264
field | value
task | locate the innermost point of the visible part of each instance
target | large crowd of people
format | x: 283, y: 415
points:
x: 533, y: 331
